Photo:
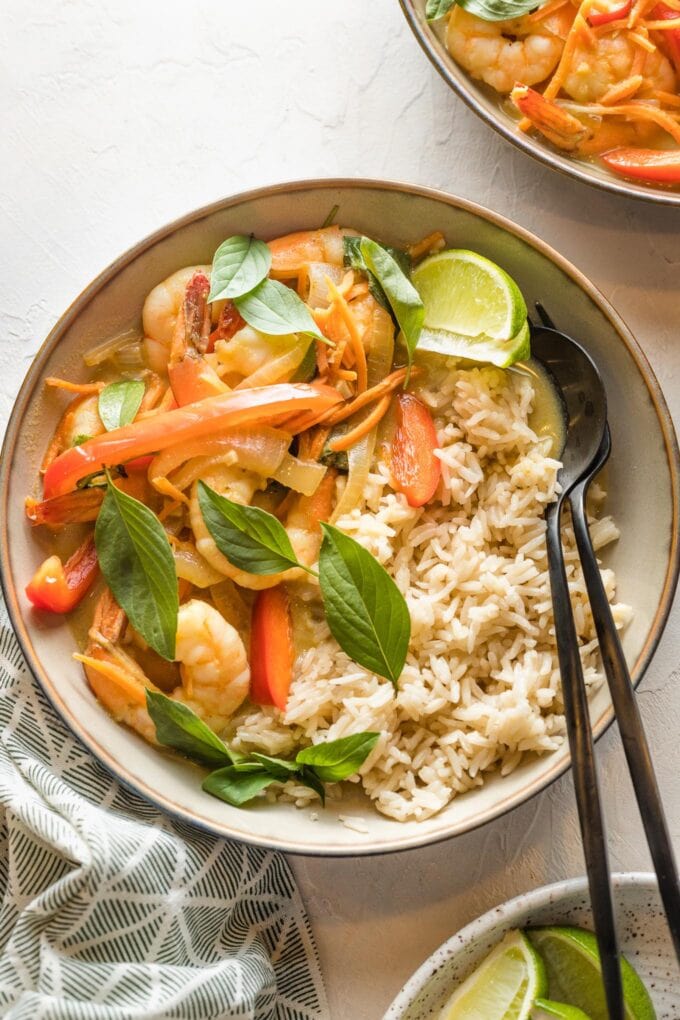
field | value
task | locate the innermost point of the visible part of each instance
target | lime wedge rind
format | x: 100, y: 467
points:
x: 572, y: 963
x: 481, y: 348
x: 503, y: 987
x: 546, y: 1009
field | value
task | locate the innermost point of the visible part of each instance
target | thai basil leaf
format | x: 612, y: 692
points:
x: 276, y: 310
x: 308, y: 777
x: 336, y: 760
x: 328, y: 222
x: 306, y: 370
x: 177, y: 726
x: 119, y: 402
x: 354, y: 260
x: 436, y: 9
x: 137, y: 563
x: 250, y: 538
x: 236, y: 786
x: 366, y: 612
x: 280, y: 769
x: 239, y: 264
x: 498, y: 10
x: 404, y: 299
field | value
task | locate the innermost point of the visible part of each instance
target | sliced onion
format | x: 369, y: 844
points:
x: 301, y: 475
x: 108, y: 348
x: 312, y: 285
x: 279, y: 369
x: 191, y: 566
x: 259, y: 449
x: 379, y: 343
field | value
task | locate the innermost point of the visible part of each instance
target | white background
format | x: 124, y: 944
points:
x: 119, y: 116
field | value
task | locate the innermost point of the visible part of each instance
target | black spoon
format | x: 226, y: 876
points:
x: 585, y: 406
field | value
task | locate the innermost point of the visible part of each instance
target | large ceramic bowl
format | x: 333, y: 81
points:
x: 485, y: 103
x: 643, y: 482
x: 641, y: 927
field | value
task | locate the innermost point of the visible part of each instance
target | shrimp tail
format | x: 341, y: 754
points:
x: 556, y: 124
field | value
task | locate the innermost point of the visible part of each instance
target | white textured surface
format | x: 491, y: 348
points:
x: 117, y: 117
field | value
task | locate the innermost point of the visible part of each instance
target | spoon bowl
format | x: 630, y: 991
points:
x: 580, y: 385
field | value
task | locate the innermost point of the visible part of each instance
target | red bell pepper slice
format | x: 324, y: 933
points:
x: 415, y: 469
x: 194, y: 421
x: 59, y: 587
x: 603, y: 17
x: 658, y: 166
x: 671, y: 36
x: 272, y: 652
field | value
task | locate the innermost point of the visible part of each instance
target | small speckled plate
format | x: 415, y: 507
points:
x: 642, y: 482
x: 641, y: 925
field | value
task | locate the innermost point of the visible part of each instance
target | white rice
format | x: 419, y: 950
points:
x: 480, y: 688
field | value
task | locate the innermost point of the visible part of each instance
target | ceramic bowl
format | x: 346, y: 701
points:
x: 486, y: 104
x: 641, y: 925
x: 642, y: 479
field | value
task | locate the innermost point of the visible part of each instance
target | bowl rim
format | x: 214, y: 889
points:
x: 12, y: 439
x: 531, y: 900
x: 538, y: 150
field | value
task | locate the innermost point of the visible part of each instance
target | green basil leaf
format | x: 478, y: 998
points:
x: 403, y: 297
x: 328, y: 222
x: 278, y: 767
x: 308, y: 777
x: 498, y: 10
x: 177, y: 726
x: 137, y: 563
x: 306, y: 370
x: 249, y: 537
x: 236, y: 786
x: 436, y: 9
x: 353, y: 259
x: 239, y: 264
x: 366, y: 612
x: 119, y: 402
x: 335, y: 760
x: 276, y: 310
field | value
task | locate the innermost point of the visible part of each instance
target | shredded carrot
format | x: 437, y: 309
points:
x: 166, y: 488
x: 168, y: 509
x: 85, y: 388
x: 436, y: 241
x: 623, y: 90
x: 318, y: 442
x: 358, y: 290
x: 642, y: 40
x: 634, y: 110
x: 545, y: 11
x: 365, y: 426
x: 666, y: 97
x: 381, y: 389
x: 345, y: 374
x: 354, y: 338
x: 154, y: 391
x: 570, y: 43
x: 662, y: 26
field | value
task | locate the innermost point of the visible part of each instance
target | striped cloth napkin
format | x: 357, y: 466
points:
x: 112, y: 911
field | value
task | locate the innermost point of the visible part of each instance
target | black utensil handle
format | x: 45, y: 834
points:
x: 629, y: 721
x: 583, y: 767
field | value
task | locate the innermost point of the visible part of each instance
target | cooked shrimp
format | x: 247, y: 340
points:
x: 302, y: 525
x: 598, y: 65
x: 160, y: 312
x: 213, y: 667
x: 293, y: 251
x: 501, y: 53
x: 191, y: 377
x: 248, y: 351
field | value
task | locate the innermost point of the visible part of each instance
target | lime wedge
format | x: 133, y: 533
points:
x: 572, y: 961
x: 478, y: 348
x: 545, y: 1009
x: 471, y: 299
x: 504, y: 985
